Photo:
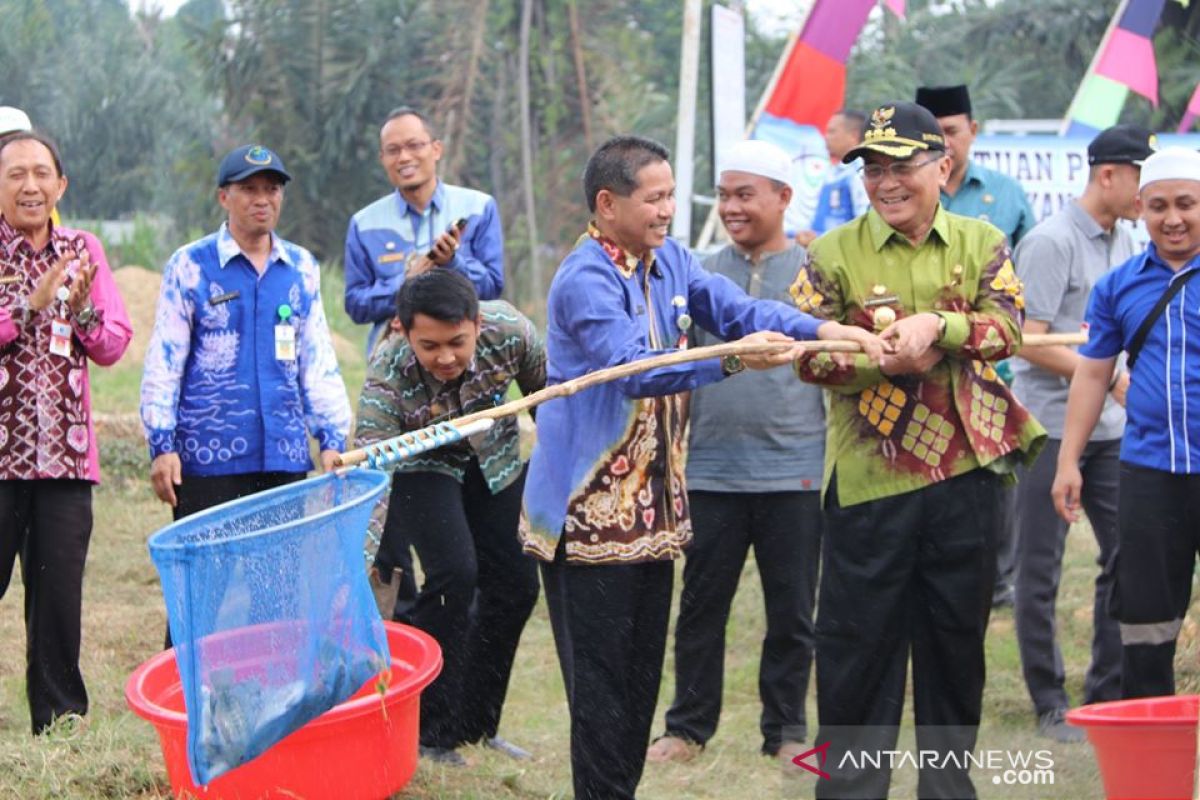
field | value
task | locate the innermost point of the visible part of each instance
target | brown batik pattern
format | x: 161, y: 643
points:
x: 634, y: 507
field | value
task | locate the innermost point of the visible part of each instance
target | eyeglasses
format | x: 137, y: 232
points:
x: 415, y: 147
x: 900, y: 170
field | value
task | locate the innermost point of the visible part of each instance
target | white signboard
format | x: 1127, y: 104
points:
x: 728, y: 79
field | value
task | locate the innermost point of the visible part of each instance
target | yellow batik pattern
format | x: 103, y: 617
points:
x: 881, y: 406
x: 988, y: 413
x: 805, y: 295
x: 927, y: 435
x: 1006, y: 281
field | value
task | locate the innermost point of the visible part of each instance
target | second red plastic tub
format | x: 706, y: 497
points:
x: 1146, y: 748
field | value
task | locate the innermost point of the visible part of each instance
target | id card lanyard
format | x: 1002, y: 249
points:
x: 285, y: 335
x: 60, y: 328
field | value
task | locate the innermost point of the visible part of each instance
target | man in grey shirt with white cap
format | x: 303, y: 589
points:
x: 755, y: 458
x: 1059, y: 261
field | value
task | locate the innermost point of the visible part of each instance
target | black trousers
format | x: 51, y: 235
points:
x: 1040, y: 546
x: 47, y: 524
x: 784, y: 528
x: 1160, y: 535
x: 479, y: 591
x: 610, y: 630
x: 912, y: 572
x: 395, y: 553
x: 200, y: 492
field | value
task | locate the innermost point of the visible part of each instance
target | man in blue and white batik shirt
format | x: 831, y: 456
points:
x: 240, y: 369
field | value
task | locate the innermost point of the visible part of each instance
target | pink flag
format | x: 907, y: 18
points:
x: 1129, y: 59
x: 896, y: 7
x: 1193, y: 111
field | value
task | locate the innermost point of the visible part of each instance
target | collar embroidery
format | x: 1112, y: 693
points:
x: 625, y: 262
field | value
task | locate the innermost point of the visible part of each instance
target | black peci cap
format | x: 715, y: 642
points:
x: 945, y: 101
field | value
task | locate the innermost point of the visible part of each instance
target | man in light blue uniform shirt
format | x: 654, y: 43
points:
x: 412, y: 229
x: 976, y: 191
x: 405, y: 233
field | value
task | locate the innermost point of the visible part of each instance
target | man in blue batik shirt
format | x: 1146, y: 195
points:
x: 240, y: 368
x: 412, y: 229
x: 605, y: 506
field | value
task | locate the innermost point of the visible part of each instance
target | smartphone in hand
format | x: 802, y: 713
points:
x: 459, y: 224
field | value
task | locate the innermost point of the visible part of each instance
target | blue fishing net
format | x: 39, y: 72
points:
x: 271, y: 613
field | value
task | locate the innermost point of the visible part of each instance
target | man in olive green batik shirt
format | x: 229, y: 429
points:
x: 918, y: 447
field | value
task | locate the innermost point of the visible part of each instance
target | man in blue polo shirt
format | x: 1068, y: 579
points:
x: 1144, y: 307
x: 412, y: 229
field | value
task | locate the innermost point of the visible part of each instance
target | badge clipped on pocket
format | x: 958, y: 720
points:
x: 285, y: 342
x: 285, y: 336
x: 60, y: 337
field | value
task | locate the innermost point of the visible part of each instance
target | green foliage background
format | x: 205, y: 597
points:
x: 143, y: 105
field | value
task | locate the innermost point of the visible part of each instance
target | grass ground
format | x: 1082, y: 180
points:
x: 116, y: 755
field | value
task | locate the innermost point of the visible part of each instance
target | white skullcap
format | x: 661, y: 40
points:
x: 13, y: 119
x: 758, y: 158
x: 1171, y: 164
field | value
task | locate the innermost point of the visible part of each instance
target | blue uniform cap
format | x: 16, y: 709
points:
x: 247, y: 160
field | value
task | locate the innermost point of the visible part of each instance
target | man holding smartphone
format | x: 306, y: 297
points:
x: 424, y: 223
x: 413, y: 229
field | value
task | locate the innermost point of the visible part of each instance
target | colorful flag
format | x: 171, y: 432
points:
x: 896, y: 7
x: 1124, y: 61
x: 812, y: 85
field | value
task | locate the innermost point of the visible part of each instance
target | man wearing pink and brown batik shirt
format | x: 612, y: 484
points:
x: 59, y: 307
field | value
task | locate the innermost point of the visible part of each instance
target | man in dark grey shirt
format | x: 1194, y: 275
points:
x: 1059, y: 261
x: 755, y: 457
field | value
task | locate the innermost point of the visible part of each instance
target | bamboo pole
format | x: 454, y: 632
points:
x: 575, y: 385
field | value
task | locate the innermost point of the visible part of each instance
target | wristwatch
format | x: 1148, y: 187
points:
x: 731, y: 365
x: 87, y: 317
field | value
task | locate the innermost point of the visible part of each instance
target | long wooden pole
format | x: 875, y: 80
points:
x: 575, y: 385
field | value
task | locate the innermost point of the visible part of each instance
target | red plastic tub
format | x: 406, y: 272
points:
x: 1146, y: 748
x: 362, y: 749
